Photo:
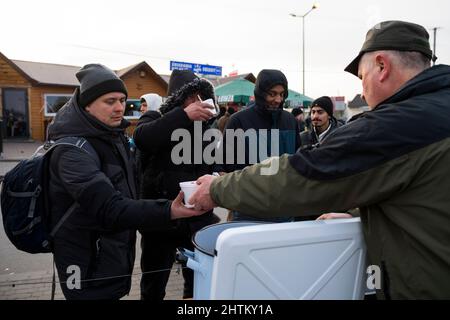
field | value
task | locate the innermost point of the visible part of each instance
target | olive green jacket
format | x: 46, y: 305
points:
x: 394, y: 164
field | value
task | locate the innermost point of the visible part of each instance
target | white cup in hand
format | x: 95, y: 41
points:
x: 188, y: 189
x: 211, y: 103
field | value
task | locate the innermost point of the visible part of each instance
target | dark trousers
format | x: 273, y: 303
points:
x: 158, y: 253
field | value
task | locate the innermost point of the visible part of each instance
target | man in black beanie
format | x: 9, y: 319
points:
x: 162, y: 175
x: 98, y: 232
x: 322, y: 123
x: 97, y: 80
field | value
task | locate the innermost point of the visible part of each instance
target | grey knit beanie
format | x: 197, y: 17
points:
x: 97, y: 80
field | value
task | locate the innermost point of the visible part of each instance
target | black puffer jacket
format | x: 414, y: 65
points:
x: 99, y: 237
x: 152, y: 136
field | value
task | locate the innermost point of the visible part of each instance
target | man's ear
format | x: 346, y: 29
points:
x: 384, y: 66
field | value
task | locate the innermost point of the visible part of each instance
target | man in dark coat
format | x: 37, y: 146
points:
x: 266, y: 117
x: 162, y: 175
x: 323, y: 123
x: 94, y: 247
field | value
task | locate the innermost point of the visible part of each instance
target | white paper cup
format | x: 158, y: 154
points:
x: 188, y: 188
x: 211, y: 102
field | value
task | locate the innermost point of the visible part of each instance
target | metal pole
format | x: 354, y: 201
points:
x: 303, y: 19
x: 303, y: 40
x: 434, y: 46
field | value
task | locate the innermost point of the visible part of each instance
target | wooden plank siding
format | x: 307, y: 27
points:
x: 136, y: 82
x: 138, y: 86
x: 10, y: 78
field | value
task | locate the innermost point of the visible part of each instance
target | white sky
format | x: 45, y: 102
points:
x: 247, y: 35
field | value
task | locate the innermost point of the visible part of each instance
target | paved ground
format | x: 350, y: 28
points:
x: 27, y: 276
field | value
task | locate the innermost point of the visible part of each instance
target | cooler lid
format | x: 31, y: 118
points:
x: 205, y: 239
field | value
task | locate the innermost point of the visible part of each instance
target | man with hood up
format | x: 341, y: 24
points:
x: 162, y: 177
x: 266, y: 113
x: 97, y: 241
x: 150, y: 102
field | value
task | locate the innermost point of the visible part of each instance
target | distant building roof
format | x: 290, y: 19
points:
x: 49, y: 73
x: 247, y: 76
x: 357, y: 102
x: 40, y: 73
x: 165, y: 77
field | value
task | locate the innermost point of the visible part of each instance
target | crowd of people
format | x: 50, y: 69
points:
x: 378, y: 162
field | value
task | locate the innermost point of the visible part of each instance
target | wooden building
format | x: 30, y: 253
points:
x: 31, y: 93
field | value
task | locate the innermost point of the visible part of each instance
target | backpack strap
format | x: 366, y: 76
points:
x: 84, y: 145
x: 78, y: 142
x: 66, y: 215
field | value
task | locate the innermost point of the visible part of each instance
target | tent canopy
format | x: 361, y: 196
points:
x: 239, y: 90
x: 296, y: 99
x: 242, y: 91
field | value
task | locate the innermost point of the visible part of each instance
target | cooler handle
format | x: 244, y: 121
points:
x: 189, y: 257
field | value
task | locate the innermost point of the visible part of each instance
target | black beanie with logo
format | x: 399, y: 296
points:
x: 97, y: 80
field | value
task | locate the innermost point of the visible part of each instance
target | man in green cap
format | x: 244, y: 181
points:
x: 382, y: 162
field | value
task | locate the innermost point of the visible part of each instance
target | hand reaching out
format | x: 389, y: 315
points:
x: 178, y: 210
x: 201, y: 199
x: 329, y: 216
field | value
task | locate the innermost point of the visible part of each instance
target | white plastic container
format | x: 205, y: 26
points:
x: 202, y: 260
x: 301, y: 260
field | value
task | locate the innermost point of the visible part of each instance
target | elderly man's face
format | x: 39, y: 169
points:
x: 368, y: 72
x: 108, y: 108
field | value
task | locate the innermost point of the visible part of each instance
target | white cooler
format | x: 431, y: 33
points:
x: 301, y: 260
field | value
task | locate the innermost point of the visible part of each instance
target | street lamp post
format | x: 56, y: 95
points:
x: 434, y: 44
x: 315, y: 6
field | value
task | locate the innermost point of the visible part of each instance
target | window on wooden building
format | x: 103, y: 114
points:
x: 53, y: 102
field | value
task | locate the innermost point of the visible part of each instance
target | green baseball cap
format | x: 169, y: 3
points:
x: 397, y: 36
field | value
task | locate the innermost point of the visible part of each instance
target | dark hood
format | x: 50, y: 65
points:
x: 266, y: 80
x: 73, y: 121
x: 198, y: 86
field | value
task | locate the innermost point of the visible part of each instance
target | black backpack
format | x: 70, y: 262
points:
x: 24, y: 199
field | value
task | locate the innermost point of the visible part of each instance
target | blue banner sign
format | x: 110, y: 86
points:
x: 204, y: 69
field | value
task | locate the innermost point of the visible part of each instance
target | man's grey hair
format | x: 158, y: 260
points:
x: 411, y: 60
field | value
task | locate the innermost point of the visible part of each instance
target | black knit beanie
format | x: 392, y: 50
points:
x: 97, y: 80
x: 325, y: 103
x: 178, y: 79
